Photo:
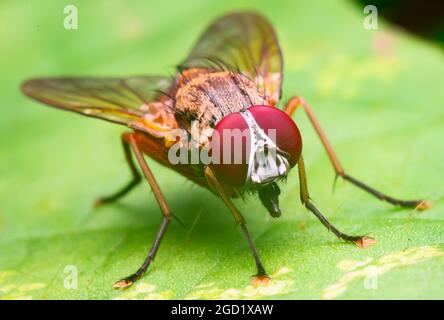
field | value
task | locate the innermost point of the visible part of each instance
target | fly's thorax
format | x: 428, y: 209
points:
x: 208, y: 96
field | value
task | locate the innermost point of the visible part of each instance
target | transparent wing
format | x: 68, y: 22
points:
x: 245, y: 42
x: 119, y: 100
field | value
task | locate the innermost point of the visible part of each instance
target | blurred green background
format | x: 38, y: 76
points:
x: 378, y: 94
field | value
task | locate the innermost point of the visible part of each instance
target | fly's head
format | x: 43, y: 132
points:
x: 254, y: 149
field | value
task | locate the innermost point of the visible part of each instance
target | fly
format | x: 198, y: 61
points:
x: 228, y: 88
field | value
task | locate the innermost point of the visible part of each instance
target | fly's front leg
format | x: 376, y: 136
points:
x: 131, y: 184
x: 261, y: 277
x: 164, y: 208
x: 360, y: 241
x: 297, y: 102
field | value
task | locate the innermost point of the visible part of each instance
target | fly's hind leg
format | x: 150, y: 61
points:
x: 297, y: 102
x: 360, y: 241
x: 136, y: 178
x: 164, y: 208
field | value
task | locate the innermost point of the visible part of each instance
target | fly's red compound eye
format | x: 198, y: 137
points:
x: 288, y: 137
x: 227, y: 133
x: 238, y: 134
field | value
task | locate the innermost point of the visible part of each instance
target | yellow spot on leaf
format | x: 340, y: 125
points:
x: 344, y: 76
x: 364, y: 269
x: 16, y: 291
x: 144, y: 291
x: 350, y: 265
x: 278, y: 285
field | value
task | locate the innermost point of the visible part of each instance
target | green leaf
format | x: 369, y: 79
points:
x: 377, y: 94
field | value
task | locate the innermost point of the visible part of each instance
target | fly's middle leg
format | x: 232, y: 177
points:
x: 135, y: 180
